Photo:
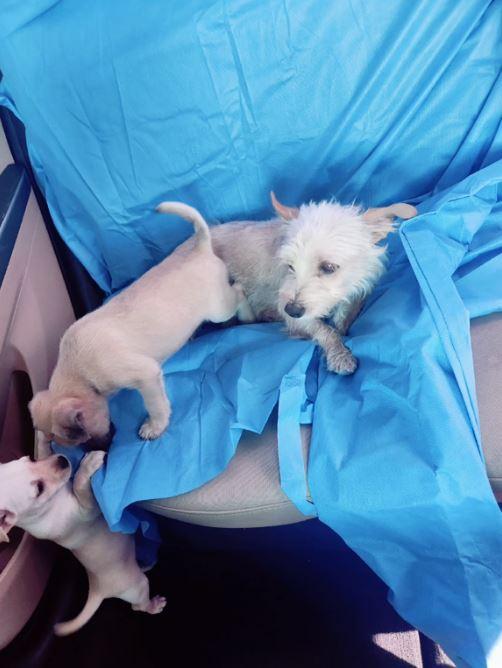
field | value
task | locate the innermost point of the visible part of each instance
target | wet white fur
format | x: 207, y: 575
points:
x: 328, y: 232
x: 257, y: 255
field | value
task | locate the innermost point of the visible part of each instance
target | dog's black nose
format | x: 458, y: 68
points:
x: 294, y: 310
x: 62, y: 462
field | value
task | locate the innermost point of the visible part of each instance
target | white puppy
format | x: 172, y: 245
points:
x: 123, y: 343
x: 39, y: 498
x: 311, y: 267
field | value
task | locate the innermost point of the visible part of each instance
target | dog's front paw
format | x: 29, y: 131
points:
x: 341, y: 326
x: 92, y: 462
x: 152, y: 429
x: 341, y: 362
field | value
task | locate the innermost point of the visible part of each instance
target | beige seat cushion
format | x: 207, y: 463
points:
x: 248, y: 493
x: 486, y: 335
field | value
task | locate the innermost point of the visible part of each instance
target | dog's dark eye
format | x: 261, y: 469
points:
x: 40, y: 487
x: 291, y: 268
x: 328, y: 267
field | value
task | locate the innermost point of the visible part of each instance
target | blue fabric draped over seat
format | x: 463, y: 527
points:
x: 215, y: 103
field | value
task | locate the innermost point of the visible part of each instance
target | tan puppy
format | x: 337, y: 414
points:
x: 39, y: 498
x: 123, y: 343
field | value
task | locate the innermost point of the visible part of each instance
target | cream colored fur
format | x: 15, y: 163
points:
x: 38, y: 497
x: 123, y: 343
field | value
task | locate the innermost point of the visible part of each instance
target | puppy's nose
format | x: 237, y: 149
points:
x: 62, y: 462
x: 101, y: 442
x: 294, y: 310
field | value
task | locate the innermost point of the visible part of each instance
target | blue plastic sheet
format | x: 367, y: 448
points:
x: 218, y: 388
x: 215, y: 103
x: 404, y: 480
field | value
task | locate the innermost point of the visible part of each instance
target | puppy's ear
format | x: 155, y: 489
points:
x: 381, y: 219
x: 285, y: 212
x: 39, y: 408
x: 7, y: 521
x: 68, y: 419
x: 43, y: 446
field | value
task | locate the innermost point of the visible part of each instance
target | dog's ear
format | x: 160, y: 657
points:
x: 39, y: 408
x: 68, y: 418
x: 285, y: 212
x: 7, y: 521
x: 399, y: 210
x: 381, y: 219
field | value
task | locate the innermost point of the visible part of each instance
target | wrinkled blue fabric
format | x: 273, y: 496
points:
x: 216, y: 103
x: 404, y: 480
x: 217, y: 387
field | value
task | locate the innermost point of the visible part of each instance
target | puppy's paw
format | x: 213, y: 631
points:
x: 152, y: 429
x: 156, y: 605
x: 344, y: 363
x: 244, y: 311
x: 92, y: 462
x: 245, y: 314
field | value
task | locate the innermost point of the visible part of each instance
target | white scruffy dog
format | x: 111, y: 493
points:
x: 123, y: 343
x: 311, y: 267
x: 39, y: 498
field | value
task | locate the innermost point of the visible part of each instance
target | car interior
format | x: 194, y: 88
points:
x: 250, y: 580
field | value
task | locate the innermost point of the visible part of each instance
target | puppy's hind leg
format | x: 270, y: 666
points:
x: 244, y: 311
x: 232, y: 301
x: 139, y: 598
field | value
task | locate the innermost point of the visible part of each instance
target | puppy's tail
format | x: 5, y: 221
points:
x: 93, y: 602
x: 190, y: 214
